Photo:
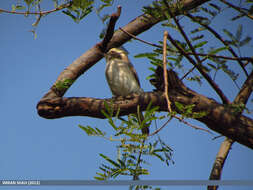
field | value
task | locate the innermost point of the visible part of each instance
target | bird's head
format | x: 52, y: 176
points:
x: 117, y: 54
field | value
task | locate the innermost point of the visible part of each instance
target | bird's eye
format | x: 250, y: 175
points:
x: 115, y: 54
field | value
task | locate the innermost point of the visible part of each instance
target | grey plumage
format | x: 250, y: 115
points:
x: 121, y: 76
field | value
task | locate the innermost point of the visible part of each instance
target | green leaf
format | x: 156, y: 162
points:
x: 67, y: 12
x: 217, y: 50
x: 99, y: 178
x: 28, y: 2
x: 208, y: 11
x: 215, y: 6
x: 149, y: 55
x: 123, y: 165
x: 197, y: 37
x: 237, y: 17
x: 239, y: 33
x: 245, y: 41
x: 198, y: 30
x: 86, y: 12
x: 179, y: 106
x: 212, y: 66
x: 92, y: 131
x: 200, y: 44
x: 110, y: 160
x: 230, y: 35
x: 13, y: 7
x: 20, y: 7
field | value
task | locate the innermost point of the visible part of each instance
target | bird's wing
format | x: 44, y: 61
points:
x: 135, y: 73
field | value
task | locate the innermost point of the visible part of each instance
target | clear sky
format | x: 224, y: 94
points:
x: 36, y: 148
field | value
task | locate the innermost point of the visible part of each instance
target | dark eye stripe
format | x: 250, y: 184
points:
x: 115, y: 54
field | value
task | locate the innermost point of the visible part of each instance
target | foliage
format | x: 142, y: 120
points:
x: 187, y: 111
x: 133, y: 148
x: 211, y: 58
x: 65, y: 84
x: 202, y: 48
x: 79, y: 9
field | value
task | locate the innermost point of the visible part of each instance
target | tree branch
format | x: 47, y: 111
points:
x: 206, y: 76
x: 63, y: 6
x: 219, y: 38
x: 93, y: 55
x: 246, y: 90
x: 237, y: 8
x: 242, y: 97
x: 219, y: 162
x: 198, y: 64
x: 190, y: 53
x: 220, y: 118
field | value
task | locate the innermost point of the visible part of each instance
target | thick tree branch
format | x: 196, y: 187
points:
x: 219, y: 118
x: 245, y: 91
x: 93, y: 55
x: 220, y: 161
x: 242, y: 97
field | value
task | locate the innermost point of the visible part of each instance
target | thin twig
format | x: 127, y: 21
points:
x: 221, y: 157
x: 212, y: 31
x: 189, y: 53
x: 210, y: 81
x: 110, y: 29
x: 63, y: 6
x: 193, y: 126
x: 237, y: 8
x: 216, y: 137
x: 198, y: 64
x: 165, y: 74
x: 136, y: 38
x: 158, y: 130
x: 136, y: 176
x: 188, y: 73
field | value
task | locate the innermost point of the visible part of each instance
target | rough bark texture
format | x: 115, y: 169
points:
x: 219, y: 162
x: 219, y: 118
x: 94, y: 54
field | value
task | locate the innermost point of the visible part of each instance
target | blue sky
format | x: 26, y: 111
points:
x: 36, y: 148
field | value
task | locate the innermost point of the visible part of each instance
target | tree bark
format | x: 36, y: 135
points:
x: 220, y: 118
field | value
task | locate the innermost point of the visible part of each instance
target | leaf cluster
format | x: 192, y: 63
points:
x: 133, y: 148
x: 65, y: 84
x: 187, y: 111
x: 79, y: 9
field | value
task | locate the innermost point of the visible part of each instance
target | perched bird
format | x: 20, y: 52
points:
x: 121, y: 76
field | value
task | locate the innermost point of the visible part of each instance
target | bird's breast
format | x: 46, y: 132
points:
x: 121, y: 79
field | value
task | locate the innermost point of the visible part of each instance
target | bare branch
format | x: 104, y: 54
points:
x: 219, y: 117
x: 223, y: 41
x: 198, y: 64
x: 220, y: 161
x: 63, y: 6
x: 246, y: 90
x: 165, y: 74
x: 190, y: 53
x: 93, y: 55
x: 237, y: 8
x: 110, y: 29
x: 210, y: 81
x: 242, y: 97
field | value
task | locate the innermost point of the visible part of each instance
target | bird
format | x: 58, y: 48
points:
x: 121, y: 76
